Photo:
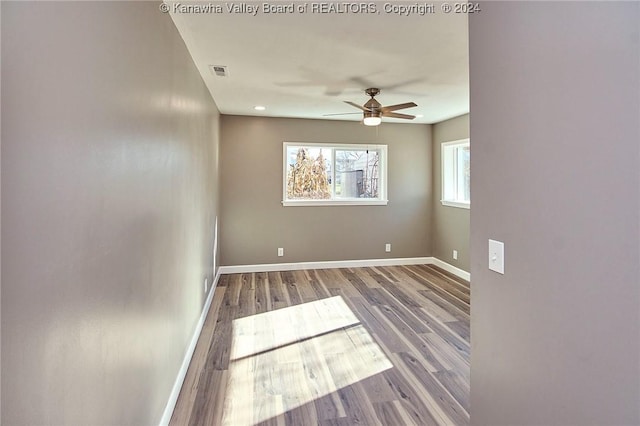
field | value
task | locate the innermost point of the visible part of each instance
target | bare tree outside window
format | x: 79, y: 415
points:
x: 307, y: 177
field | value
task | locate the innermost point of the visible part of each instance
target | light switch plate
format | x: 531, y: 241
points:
x: 496, y: 256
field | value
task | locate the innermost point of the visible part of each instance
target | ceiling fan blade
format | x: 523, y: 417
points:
x: 397, y: 115
x: 341, y: 113
x: 357, y: 106
x: 399, y: 106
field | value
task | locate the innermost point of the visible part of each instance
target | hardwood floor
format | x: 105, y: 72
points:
x: 383, y: 345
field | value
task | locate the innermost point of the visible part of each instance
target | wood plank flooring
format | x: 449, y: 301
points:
x: 374, y: 346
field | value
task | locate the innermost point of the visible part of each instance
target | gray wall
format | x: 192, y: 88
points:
x: 450, y: 224
x: 555, y: 104
x: 109, y: 153
x: 255, y: 224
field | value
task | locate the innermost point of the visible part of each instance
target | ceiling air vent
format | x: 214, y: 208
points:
x: 219, y: 70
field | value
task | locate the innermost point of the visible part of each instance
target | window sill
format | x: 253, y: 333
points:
x: 457, y: 204
x: 318, y: 203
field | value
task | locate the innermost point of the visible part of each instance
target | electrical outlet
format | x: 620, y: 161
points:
x: 387, y: 247
x: 455, y: 255
x: 280, y: 252
x: 206, y: 285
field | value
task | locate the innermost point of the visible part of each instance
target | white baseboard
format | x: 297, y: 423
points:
x: 182, y: 373
x: 450, y: 268
x: 270, y: 267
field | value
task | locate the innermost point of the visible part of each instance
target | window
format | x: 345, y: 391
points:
x: 456, y: 174
x: 321, y: 174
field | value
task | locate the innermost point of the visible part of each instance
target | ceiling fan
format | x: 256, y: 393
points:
x: 373, y: 111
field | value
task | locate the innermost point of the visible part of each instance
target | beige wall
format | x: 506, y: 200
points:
x: 109, y: 151
x: 255, y: 224
x: 554, y: 126
x: 450, y: 224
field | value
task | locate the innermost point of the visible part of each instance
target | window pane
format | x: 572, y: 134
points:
x: 466, y: 162
x: 357, y: 173
x: 461, y: 170
x: 308, y: 173
x: 448, y: 167
x: 456, y: 172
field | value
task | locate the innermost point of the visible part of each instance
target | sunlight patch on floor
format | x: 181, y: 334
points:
x: 283, y: 359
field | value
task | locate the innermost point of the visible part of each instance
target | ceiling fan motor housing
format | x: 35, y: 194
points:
x: 372, y: 105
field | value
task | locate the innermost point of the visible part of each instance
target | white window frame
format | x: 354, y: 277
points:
x: 450, y: 173
x: 382, y: 188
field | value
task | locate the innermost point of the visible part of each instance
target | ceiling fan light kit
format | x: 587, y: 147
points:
x: 373, y: 111
x: 372, y: 119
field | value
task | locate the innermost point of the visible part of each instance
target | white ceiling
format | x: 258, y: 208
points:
x: 306, y: 64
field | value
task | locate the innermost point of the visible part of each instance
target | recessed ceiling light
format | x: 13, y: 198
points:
x: 419, y: 115
x: 259, y: 108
